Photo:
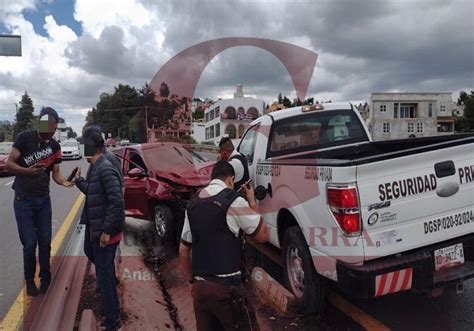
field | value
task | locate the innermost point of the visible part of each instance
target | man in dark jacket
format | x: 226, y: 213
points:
x: 105, y: 217
x: 117, y: 164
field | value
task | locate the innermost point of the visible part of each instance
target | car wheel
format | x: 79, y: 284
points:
x: 309, y: 288
x: 163, y: 219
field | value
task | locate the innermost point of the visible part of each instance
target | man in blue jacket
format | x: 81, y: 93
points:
x: 104, y: 218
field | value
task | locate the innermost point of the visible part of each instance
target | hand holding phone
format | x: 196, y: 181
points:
x: 73, y: 173
x: 246, y: 184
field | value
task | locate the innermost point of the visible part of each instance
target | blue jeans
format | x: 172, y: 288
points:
x: 33, y: 218
x: 104, y: 259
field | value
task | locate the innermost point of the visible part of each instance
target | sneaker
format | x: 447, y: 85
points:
x: 44, y: 286
x: 31, y: 289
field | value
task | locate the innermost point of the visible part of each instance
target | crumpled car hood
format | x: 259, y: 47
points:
x: 196, y: 175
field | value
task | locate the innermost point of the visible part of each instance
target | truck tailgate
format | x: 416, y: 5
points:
x: 416, y: 200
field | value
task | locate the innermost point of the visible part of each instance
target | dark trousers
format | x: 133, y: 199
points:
x: 213, y: 308
x: 104, y: 259
x: 33, y: 218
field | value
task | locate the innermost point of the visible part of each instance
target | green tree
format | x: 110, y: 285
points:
x: 469, y: 112
x: 164, y: 90
x: 24, y: 115
x: 113, y: 111
x: 198, y: 113
x: 286, y: 102
x: 296, y: 102
x: 5, y: 131
x: 463, y: 96
x: 136, y: 132
x: 70, y: 133
x: 466, y: 122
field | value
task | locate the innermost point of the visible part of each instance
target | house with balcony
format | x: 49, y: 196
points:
x: 231, y: 117
x: 410, y: 114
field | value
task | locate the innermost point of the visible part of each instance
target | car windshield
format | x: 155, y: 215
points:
x: 5, y: 149
x: 168, y: 158
x: 69, y: 144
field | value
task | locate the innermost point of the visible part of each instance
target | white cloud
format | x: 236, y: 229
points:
x: 379, y: 46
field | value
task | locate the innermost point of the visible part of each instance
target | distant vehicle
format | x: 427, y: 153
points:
x: 159, y: 180
x: 110, y: 142
x: 125, y: 142
x: 5, y: 149
x: 70, y: 150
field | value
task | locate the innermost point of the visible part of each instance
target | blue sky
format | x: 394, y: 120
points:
x: 63, y: 12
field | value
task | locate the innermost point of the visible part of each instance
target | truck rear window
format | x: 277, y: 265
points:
x: 315, y: 130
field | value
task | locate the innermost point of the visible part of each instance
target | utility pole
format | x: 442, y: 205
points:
x: 146, y: 122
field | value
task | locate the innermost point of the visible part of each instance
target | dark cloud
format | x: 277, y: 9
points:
x: 105, y: 55
x: 386, y: 45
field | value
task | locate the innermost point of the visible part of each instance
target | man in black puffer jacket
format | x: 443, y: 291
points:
x: 104, y: 218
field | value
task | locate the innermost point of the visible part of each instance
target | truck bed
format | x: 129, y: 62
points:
x: 382, y: 150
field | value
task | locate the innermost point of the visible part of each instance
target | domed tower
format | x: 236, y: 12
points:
x: 239, y: 92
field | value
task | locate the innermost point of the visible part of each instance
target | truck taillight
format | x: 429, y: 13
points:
x: 343, y: 203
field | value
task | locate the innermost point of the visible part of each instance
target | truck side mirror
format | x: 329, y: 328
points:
x: 137, y: 173
x: 261, y: 192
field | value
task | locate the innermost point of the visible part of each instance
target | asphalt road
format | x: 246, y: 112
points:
x: 11, y: 261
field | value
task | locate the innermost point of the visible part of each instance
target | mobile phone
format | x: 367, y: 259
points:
x: 246, y: 183
x: 73, y: 173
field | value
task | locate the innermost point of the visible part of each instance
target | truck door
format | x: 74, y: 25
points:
x: 136, y: 188
x: 247, y: 149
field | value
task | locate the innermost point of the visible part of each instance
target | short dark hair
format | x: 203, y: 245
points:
x: 88, y: 130
x: 49, y: 111
x: 95, y: 137
x: 226, y: 143
x: 222, y: 170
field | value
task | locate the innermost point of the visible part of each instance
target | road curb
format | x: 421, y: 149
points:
x: 272, y: 293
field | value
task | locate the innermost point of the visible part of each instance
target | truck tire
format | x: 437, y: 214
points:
x: 163, y: 220
x: 309, y: 288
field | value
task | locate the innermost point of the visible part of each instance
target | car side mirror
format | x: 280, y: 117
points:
x: 137, y: 173
x: 261, y: 192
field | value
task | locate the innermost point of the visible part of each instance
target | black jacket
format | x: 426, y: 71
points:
x: 116, y: 163
x: 104, y: 206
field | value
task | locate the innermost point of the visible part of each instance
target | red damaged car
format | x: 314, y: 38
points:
x: 159, y: 180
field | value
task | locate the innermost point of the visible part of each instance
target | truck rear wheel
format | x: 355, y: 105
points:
x: 163, y: 219
x: 309, y: 288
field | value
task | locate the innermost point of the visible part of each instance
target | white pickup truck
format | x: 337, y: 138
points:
x: 375, y: 217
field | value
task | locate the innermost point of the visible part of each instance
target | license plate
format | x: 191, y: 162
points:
x: 449, y: 257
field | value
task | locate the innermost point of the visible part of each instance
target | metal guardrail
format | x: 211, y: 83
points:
x: 59, y: 306
x: 204, y: 148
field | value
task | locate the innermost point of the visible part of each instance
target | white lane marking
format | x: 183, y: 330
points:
x: 9, y: 183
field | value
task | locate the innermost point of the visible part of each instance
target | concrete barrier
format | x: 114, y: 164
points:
x: 59, y: 306
x: 272, y: 293
x: 88, y: 321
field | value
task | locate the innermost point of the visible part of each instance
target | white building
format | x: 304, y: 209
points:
x: 405, y: 115
x: 61, y: 132
x: 198, y: 131
x: 231, y: 117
